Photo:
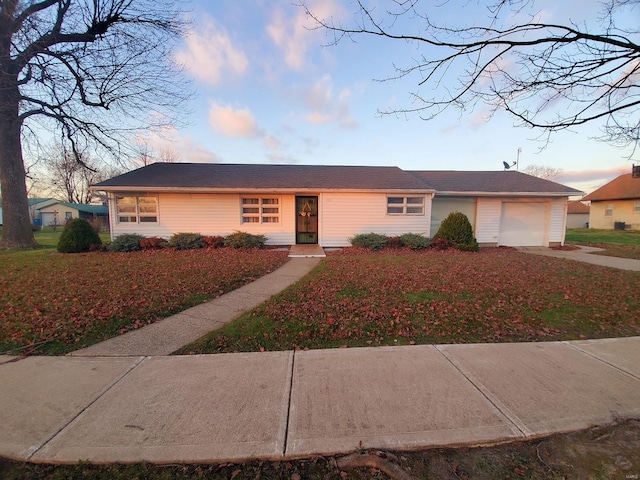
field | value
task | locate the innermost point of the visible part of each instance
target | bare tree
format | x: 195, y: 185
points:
x: 91, y: 71
x: 69, y: 177
x: 542, y: 171
x: 550, y: 77
x: 146, y: 155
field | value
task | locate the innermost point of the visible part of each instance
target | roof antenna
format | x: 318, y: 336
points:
x: 516, y: 163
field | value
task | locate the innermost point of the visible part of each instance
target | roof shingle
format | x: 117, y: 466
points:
x: 624, y: 187
x: 253, y: 176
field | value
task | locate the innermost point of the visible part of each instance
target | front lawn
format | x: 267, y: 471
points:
x: 358, y: 298
x: 615, y: 243
x: 68, y: 301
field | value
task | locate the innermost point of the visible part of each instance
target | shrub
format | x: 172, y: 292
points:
x: 213, y: 241
x: 372, y: 241
x: 127, y: 242
x: 457, y: 229
x: 153, y: 243
x: 440, y: 244
x: 186, y: 241
x: 414, y: 241
x: 394, y: 242
x: 244, y: 240
x: 78, y: 236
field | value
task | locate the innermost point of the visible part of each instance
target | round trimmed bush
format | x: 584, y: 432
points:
x: 457, y: 230
x: 78, y: 236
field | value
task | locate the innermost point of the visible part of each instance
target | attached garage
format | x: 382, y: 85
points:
x: 523, y: 224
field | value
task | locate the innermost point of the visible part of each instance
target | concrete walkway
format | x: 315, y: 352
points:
x: 585, y: 255
x: 276, y: 405
x: 168, y: 335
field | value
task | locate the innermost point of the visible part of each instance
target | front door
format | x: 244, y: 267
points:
x: 306, y: 220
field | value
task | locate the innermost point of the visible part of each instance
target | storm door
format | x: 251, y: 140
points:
x: 306, y: 220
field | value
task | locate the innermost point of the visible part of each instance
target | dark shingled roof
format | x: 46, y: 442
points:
x: 491, y: 182
x: 253, y: 176
x: 224, y: 176
x: 624, y: 187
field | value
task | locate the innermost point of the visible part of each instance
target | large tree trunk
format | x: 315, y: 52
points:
x: 16, y: 229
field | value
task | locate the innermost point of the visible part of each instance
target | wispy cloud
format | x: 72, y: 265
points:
x: 210, y: 54
x: 239, y: 123
x: 328, y: 106
x: 294, y: 34
x: 181, y: 147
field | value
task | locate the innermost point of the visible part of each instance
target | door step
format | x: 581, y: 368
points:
x: 297, y: 251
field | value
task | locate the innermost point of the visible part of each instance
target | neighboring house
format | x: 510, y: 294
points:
x: 327, y: 205
x: 35, y: 204
x: 616, y: 204
x: 58, y: 213
x: 577, y: 214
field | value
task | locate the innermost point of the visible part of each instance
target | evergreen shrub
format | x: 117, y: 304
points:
x: 78, y: 236
x: 457, y: 230
x: 372, y: 241
x: 415, y: 241
x: 127, y: 242
x: 244, y: 240
x: 186, y: 241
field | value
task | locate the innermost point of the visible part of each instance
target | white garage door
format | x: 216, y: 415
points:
x: 523, y: 225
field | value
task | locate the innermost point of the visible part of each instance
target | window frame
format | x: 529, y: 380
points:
x: 137, y: 210
x: 636, y: 207
x: 608, y: 210
x: 259, y: 209
x: 405, y: 205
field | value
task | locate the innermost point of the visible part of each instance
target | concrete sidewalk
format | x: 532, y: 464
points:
x: 172, y: 333
x: 276, y: 405
x: 585, y: 255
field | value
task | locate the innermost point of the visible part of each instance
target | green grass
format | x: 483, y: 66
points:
x: 588, y: 236
x: 615, y: 243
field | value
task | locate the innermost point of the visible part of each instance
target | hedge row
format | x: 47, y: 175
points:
x: 130, y: 242
x: 377, y: 241
x: 455, y: 232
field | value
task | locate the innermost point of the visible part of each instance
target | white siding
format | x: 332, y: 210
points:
x: 557, y: 221
x: 209, y: 214
x: 488, y: 220
x: 443, y: 206
x: 343, y: 215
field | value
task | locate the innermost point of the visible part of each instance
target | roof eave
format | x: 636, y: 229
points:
x: 509, y: 194
x: 123, y: 189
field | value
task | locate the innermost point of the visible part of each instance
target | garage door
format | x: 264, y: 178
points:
x: 523, y: 225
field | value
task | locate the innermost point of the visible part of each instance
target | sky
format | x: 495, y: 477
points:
x: 269, y: 89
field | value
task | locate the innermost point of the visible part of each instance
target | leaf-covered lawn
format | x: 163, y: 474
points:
x: 498, y: 295
x: 75, y: 300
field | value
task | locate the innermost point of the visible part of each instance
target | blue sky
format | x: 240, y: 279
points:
x: 269, y: 90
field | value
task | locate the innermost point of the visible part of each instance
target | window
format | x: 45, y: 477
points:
x: 137, y: 209
x: 636, y: 207
x: 609, y: 210
x: 405, y: 205
x: 68, y: 216
x: 260, y: 210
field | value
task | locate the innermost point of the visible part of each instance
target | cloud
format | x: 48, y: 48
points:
x: 210, y: 54
x: 182, y: 147
x: 326, y: 106
x: 589, y: 180
x: 239, y: 123
x: 293, y: 35
x: 233, y: 123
